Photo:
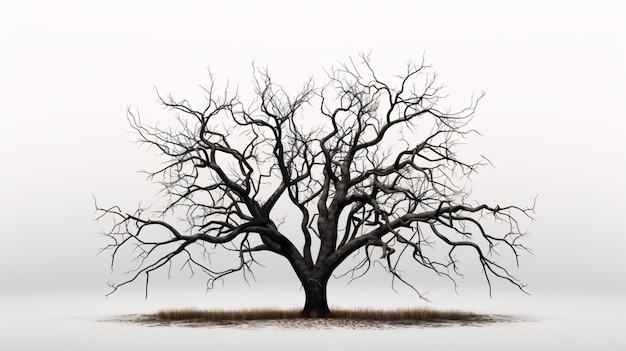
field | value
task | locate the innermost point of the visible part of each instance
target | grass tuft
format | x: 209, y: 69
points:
x: 227, y: 315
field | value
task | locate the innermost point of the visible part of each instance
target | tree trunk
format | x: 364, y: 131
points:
x: 316, y: 303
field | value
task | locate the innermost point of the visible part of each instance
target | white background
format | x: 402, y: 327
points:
x: 552, y: 124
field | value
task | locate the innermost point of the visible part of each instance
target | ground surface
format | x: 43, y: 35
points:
x: 315, y: 323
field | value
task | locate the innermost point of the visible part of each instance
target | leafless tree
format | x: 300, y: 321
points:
x: 368, y: 168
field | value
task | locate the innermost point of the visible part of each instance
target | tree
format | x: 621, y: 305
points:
x: 367, y: 167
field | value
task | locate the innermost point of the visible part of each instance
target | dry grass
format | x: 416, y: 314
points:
x: 415, y: 314
x: 227, y: 315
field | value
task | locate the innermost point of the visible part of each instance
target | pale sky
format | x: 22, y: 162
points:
x: 553, y: 119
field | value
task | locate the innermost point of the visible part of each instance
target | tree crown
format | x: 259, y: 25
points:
x: 360, y: 162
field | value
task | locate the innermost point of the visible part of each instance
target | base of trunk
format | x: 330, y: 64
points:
x: 316, y: 303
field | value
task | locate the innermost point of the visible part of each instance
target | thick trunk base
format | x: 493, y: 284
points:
x: 316, y: 304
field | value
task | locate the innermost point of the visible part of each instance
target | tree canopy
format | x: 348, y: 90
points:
x: 366, y: 165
